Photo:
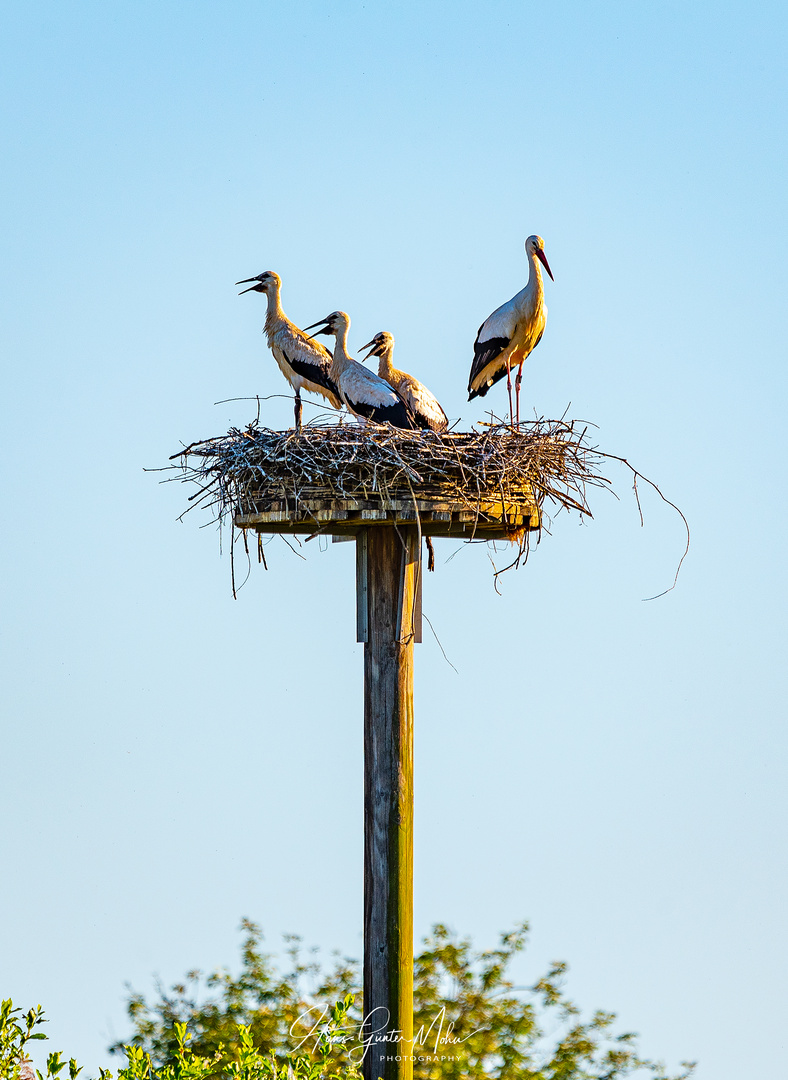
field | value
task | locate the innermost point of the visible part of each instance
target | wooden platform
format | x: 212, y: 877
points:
x: 489, y: 520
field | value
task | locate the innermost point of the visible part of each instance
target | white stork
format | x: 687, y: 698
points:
x: 425, y: 406
x: 366, y: 395
x: 513, y: 331
x: 306, y: 364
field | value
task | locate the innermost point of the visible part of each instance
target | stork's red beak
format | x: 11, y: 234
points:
x: 543, y: 260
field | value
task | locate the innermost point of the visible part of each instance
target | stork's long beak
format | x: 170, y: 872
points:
x: 543, y: 260
x: 322, y: 323
x: 373, y: 350
x: 257, y: 287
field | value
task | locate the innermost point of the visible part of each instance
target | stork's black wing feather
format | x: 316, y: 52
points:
x: 484, y: 353
x: 494, y: 376
x: 427, y: 423
x: 398, y: 414
x: 316, y: 373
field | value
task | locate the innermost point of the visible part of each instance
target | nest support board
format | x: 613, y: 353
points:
x: 490, y: 519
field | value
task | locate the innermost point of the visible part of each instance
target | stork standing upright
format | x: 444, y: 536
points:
x: 425, y: 406
x: 513, y: 331
x: 366, y: 395
x: 306, y: 364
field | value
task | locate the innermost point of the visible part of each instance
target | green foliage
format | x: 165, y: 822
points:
x: 269, y: 1004
x: 470, y: 1021
x: 16, y: 1031
x: 244, y: 1062
x: 247, y: 1062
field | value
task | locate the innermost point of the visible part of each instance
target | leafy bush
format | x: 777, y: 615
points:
x: 16, y: 1031
x: 246, y: 1062
x: 470, y: 1020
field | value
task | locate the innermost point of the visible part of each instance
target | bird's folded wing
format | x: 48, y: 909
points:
x: 424, y: 405
x: 395, y: 414
x: 495, y: 334
x: 485, y: 352
x: 314, y: 368
x: 370, y: 396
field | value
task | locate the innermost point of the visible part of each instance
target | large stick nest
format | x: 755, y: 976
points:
x: 545, y: 461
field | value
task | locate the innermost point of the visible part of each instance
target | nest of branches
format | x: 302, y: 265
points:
x: 545, y: 461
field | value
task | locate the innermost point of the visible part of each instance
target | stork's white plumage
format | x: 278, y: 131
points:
x: 424, y: 405
x: 366, y: 395
x: 306, y: 364
x: 513, y: 331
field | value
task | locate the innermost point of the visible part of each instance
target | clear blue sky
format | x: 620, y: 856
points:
x: 174, y: 759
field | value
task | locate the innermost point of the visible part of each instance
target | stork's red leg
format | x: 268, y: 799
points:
x: 298, y: 409
x: 517, y: 382
x: 509, y: 390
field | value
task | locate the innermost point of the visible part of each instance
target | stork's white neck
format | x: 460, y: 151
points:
x: 385, y: 366
x: 341, y: 359
x: 535, y: 273
x: 274, y: 303
x: 531, y: 296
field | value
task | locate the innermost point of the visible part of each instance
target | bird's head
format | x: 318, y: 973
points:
x: 534, y: 245
x: 263, y: 282
x: 379, y: 346
x: 332, y: 324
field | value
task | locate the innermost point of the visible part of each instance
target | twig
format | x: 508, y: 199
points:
x: 298, y: 553
x: 636, y: 473
x: 445, y: 657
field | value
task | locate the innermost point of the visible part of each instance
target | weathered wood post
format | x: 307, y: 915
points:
x: 388, y: 561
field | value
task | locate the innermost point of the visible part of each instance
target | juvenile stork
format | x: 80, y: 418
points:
x: 366, y: 395
x: 424, y: 405
x: 513, y: 331
x: 306, y: 364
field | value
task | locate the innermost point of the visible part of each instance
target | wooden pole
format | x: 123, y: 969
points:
x: 389, y: 614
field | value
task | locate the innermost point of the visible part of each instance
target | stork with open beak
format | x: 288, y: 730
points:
x: 512, y: 332
x: 306, y: 364
x: 366, y: 395
x: 423, y: 404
